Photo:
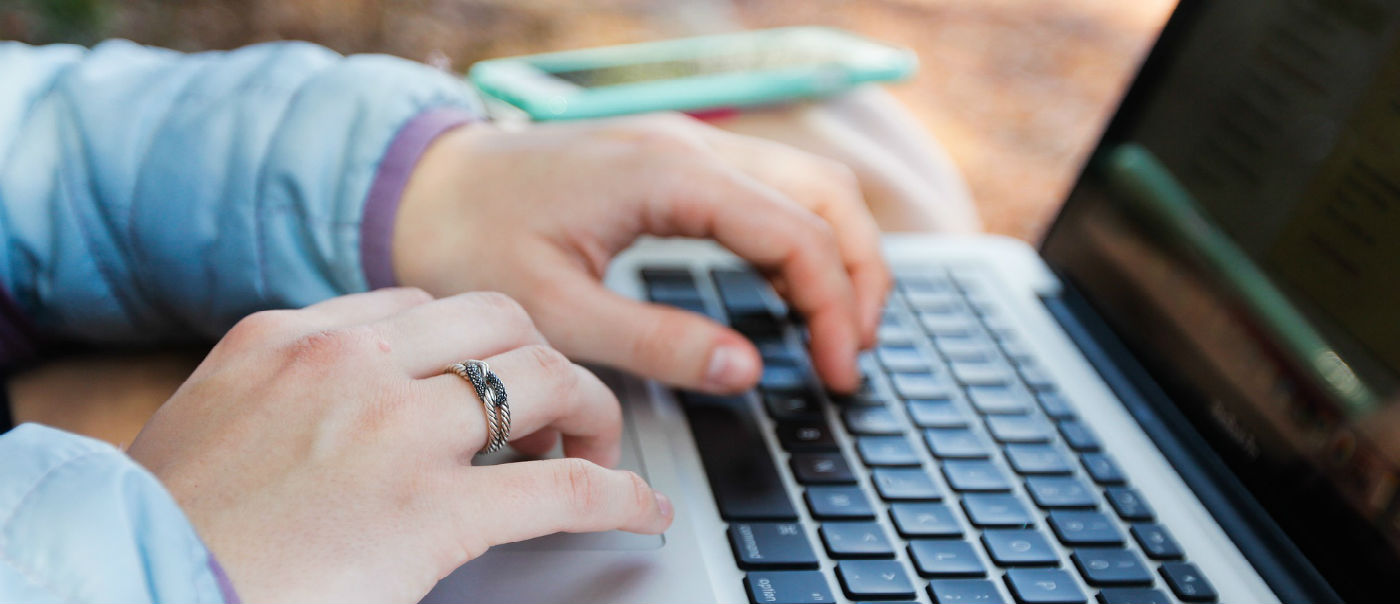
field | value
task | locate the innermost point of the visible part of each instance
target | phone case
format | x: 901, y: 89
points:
x: 524, y: 82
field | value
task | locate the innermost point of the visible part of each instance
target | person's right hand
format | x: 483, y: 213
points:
x: 323, y: 455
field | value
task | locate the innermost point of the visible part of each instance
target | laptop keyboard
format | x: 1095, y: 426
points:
x: 958, y: 471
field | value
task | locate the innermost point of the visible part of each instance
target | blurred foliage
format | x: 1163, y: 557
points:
x: 80, y: 21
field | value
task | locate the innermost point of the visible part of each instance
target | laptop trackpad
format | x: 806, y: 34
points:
x: 607, y: 540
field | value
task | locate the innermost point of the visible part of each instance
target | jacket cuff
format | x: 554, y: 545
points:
x: 382, y: 203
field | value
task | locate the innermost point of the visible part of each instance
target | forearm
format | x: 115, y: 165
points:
x: 147, y: 195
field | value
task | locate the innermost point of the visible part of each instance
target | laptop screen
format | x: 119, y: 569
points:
x: 1239, y: 229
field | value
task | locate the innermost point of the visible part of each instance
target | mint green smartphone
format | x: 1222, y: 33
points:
x: 704, y: 74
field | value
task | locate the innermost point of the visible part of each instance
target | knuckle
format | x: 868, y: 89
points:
x: 264, y: 325
x: 330, y: 346
x: 641, y: 491
x: 578, y: 480
x: 549, y: 362
x: 415, y: 295
x: 501, y: 306
x: 843, y: 178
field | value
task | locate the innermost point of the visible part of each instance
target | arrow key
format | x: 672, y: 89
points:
x: 878, y: 579
x: 964, y: 591
x: 1187, y: 582
x: 1043, y: 586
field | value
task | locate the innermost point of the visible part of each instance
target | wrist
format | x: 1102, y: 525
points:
x: 388, y: 192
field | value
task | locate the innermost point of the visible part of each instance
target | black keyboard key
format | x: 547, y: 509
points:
x: 1132, y: 595
x: 839, y: 503
x: 933, y: 281
x: 975, y: 475
x: 741, y: 471
x: 856, y: 540
x: 792, y: 406
x: 1055, y: 405
x: 1187, y: 582
x: 1018, y: 429
x: 878, y: 579
x: 999, y: 399
x: 1036, y: 377
x: 788, y: 587
x: 922, y: 385
x: 1044, y: 586
x: 783, y: 378
x: 945, y: 558
x: 886, y: 451
x: 821, y: 468
x: 902, y: 358
x: 1128, y: 503
x: 1015, y: 349
x: 1082, y: 527
x: 1102, y: 469
x: 871, y: 420
x: 924, y: 520
x: 750, y: 304
x: 955, y: 443
x: 1019, y: 547
x: 935, y: 413
x: 771, y: 545
x: 865, y: 394
x: 776, y: 350
x: 1111, y: 566
x: 996, y: 509
x: 978, y: 373
x: 1060, y: 492
x: 964, y: 591
x: 974, y: 348
x: 806, y: 436
x: 948, y: 322
x: 897, y: 335
x: 1037, y: 459
x: 670, y: 286
x: 905, y: 485
x: 1156, y: 542
x: 1078, y: 435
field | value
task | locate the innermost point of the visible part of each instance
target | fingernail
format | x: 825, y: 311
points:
x: 728, y: 367
x: 663, y: 505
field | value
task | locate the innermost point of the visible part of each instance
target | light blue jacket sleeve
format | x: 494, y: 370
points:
x: 148, y: 195
x: 81, y: 522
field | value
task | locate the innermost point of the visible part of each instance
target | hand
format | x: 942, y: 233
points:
x: 539, y: 213
x: 323, y: 455
x: 907, y: 180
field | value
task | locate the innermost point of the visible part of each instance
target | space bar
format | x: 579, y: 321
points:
x: 741, y: 470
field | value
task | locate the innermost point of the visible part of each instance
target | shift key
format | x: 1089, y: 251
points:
x: 742, y: 473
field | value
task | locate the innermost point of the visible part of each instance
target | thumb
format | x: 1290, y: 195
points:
x: 678, y: 347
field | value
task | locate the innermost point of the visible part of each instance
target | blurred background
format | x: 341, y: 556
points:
x: 1016, y: 90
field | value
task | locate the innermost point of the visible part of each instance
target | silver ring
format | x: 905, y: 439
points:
x: 493, y: 400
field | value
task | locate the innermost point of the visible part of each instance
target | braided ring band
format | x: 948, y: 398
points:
x: 493, y: 400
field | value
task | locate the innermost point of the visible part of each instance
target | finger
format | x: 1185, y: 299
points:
x: 544, y: 391
x: 774, y: 233
x: 427, y: 338
x: 358, y: 309
x: 674, y: 346
x: 538, y: 444
x: 830, y: 190
x: 566, y: 495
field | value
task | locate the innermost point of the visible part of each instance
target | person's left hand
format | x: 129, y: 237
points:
x: 539, y: 213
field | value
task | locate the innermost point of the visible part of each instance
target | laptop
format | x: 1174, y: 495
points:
x: 1182, y: 396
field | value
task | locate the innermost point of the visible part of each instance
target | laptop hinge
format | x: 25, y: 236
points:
x: 1276, y: 558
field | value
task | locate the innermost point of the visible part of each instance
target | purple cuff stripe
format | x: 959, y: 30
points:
x: 382, y: 204
x: 225, y: 586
